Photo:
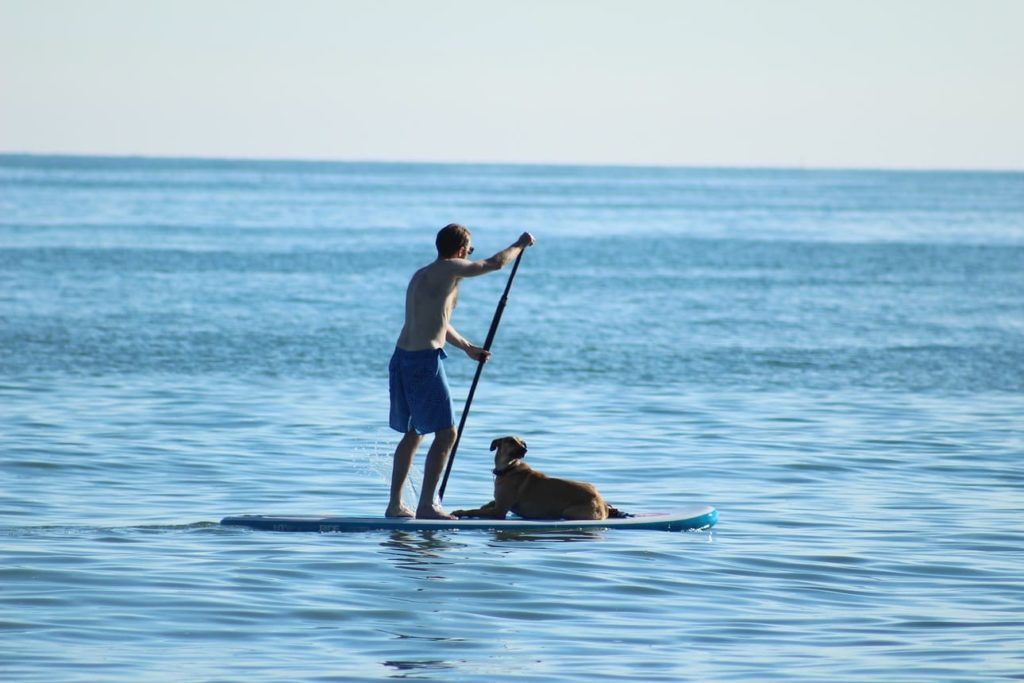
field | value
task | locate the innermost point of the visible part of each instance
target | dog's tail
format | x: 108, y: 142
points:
x: 615, y: 513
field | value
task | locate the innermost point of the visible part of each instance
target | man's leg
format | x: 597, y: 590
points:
x: 404, y: 455
x: 437, y: 456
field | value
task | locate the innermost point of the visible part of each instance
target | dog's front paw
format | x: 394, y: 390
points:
x: 461, y: 513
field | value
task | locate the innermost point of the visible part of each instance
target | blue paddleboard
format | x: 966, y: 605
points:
x: 692, y: 518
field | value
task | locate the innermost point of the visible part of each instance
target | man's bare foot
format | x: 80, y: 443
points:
x: 399, y: 510
x: 432, y: 512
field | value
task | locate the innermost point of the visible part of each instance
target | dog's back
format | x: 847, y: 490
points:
x: 539, y: 496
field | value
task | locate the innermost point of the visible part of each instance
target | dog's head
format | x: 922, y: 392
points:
x: 508, y: 448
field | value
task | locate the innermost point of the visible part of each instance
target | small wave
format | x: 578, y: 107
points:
x: 77, y: 530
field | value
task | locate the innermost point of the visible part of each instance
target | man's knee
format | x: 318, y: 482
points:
x: 446, y: 436
x: 412, y: 437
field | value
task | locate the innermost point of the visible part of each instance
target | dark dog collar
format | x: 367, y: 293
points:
x: 506, y: 469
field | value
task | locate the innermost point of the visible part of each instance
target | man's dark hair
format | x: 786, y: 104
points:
x: 450, y: 239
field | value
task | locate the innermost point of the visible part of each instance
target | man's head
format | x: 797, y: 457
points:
x: 451, y: 239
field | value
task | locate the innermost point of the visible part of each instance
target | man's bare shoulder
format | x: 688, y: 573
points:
x: 436, y: 279
x: 452, y: 268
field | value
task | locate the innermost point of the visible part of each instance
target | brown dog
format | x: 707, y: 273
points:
x: 533, y: 495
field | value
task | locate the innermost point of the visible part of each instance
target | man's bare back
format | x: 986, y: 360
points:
x: 429, y: 302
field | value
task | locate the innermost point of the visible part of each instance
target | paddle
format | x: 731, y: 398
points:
x: 479, y: 369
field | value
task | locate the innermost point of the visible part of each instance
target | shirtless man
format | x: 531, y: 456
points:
x: 420, y: 400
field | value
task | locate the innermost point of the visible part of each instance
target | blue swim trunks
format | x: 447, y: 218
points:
x: 420, y: 398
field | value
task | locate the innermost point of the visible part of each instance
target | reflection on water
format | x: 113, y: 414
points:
x: 418, y: 665
x: 424, y: 550
x: 420, y: 550
x: 566, y: 536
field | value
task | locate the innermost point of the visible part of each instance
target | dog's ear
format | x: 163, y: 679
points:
x: 494, y: 444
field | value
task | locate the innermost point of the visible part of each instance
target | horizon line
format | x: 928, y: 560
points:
x: 550, y: 164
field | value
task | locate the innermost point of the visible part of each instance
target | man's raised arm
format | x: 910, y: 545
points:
x: 496, y: 262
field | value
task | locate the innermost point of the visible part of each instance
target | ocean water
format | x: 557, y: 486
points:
x: 833, y: 359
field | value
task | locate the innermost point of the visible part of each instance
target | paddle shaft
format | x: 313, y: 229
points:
x: 479, y: 370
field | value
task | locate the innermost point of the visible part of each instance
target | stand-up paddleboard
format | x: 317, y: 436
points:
x: 692, y: 518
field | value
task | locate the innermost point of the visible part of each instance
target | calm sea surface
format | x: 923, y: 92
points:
x: 833, y: 359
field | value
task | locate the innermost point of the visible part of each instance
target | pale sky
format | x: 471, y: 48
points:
x: 816, y: 83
